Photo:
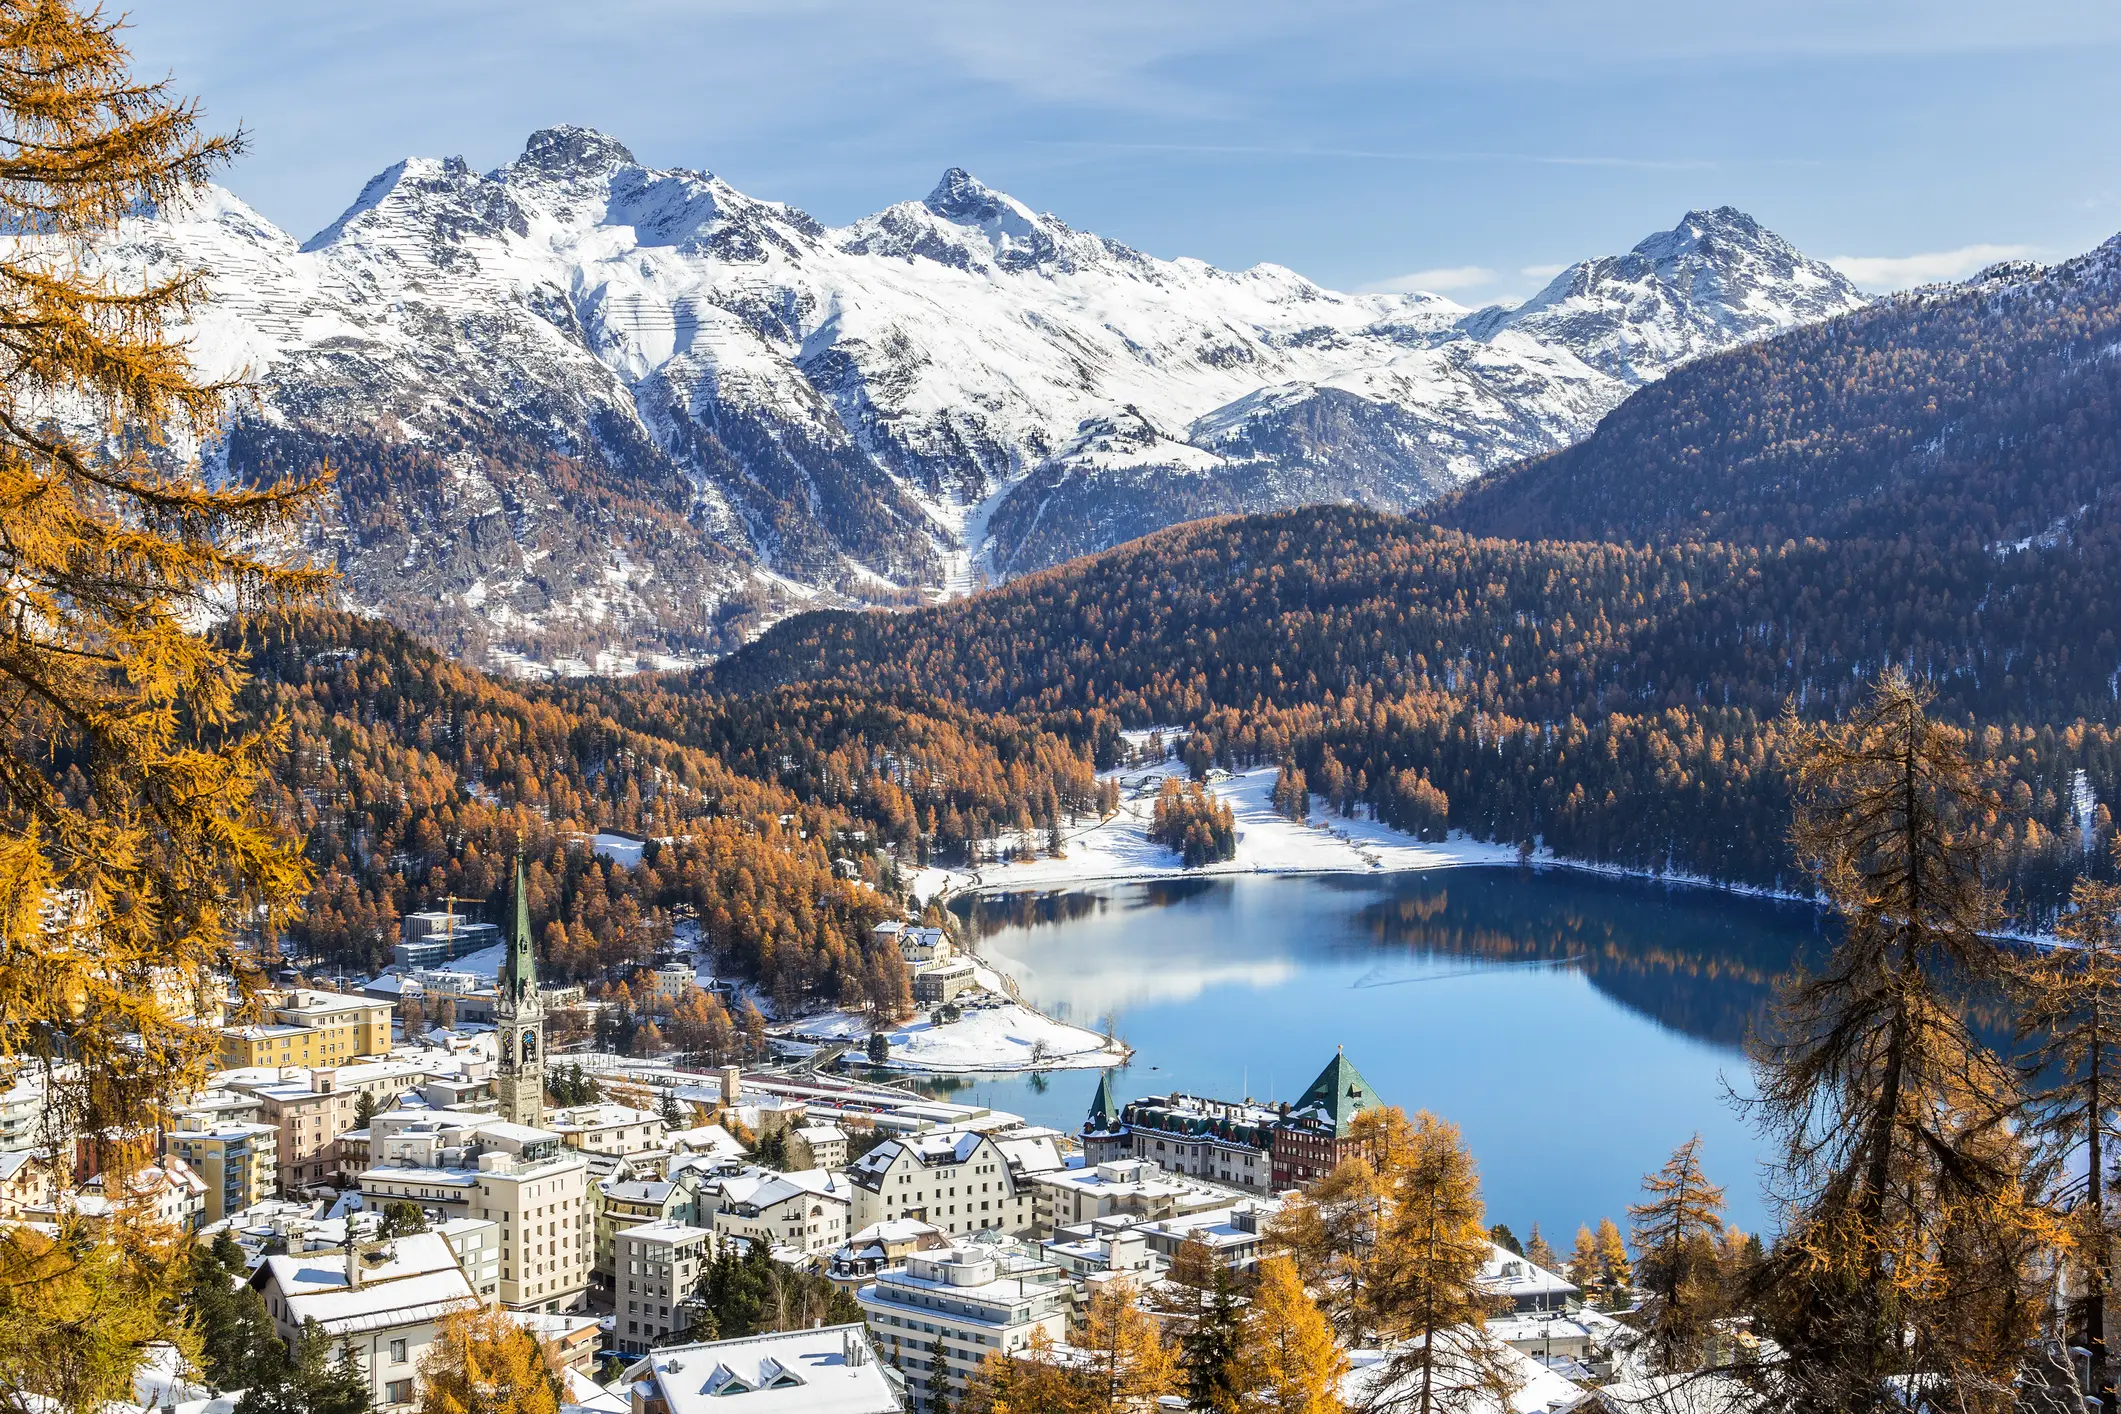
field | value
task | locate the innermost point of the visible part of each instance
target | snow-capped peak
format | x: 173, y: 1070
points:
x: 964, y: 198
x: 1717, y: 278
x: 583, y: 402
x: 570, y: 151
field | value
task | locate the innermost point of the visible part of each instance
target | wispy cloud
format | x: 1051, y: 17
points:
x: 1898, y: 272
x: 1444, y: 277
x: 1373, y: 154
x: 1541, y: 272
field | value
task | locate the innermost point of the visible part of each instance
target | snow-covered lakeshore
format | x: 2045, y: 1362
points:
x: 994, y: 1035
x: 1119, y: 848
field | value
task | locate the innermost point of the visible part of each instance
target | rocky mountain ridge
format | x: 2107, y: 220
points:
x: 587, y: 412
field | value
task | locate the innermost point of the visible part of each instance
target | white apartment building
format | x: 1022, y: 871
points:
x: 382, y: 1300
x: 945, y: 1311
x: 659, y: 1263
x: 465, y: 1165
x: 1136, y: 1187
x: 963, y: 1182
x: 806, y: 1210
x: 607, y: 1128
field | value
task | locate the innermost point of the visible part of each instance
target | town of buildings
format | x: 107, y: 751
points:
x: 959, y: 1231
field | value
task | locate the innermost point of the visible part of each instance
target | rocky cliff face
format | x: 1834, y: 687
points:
x: 585, y: 411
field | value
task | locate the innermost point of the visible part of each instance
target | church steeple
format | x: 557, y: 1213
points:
x: 519, y: 972
x: 519, y: 1022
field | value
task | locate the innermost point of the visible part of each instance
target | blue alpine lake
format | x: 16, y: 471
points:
x: 1577, y: 1028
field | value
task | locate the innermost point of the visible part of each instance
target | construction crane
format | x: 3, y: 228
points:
x: 449, y: 917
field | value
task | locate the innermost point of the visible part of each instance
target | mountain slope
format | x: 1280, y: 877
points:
x: 589, y: 410
x: 1984, y: 415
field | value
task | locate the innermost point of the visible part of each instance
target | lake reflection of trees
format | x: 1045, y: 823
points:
x: 1700, y: 963
x: 988, y: 914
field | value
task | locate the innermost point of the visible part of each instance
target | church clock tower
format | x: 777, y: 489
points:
x: 519, y: 1023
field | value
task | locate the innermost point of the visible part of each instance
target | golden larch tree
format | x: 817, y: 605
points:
x: 482, y: 1362
x: 1125, y: 1364
x: 137, y: 871
x: 1031, y: 1381
x: 2070, y: 1014
x: 1287, y: 1360
x: 1909, y: 1223
x: 1676, y: 1228
x: 1436, y: 1247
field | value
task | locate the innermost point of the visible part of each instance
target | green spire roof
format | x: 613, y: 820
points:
x: 519, y: 973
x: 1104, y: 1110
x: 1338, y: 1095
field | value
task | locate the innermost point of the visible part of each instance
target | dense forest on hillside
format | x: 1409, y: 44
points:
x: 930, y: 777
x: 410, y: 777
x: 1618, y: 704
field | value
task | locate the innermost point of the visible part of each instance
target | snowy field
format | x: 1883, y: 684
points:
x: 1005, y: 1036
x: 1120, y: 848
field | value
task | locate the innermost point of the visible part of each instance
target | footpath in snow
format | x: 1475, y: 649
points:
x: 1267, y: 843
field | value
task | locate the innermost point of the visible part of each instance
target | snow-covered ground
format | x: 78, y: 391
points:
x: 998, y: 1036
x: 1267, y: 843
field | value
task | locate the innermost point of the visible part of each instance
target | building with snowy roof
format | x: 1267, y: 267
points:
x: 963, y: 1181
x: 806, y: 1210
x: 1136, y: 1187
x: 384, y: 1301
x: 1522, y: 1285
x: 466, y: 1165
x: 829, y: 1370
x: 944, y: 1312
x: 658, y: 1264
x: 1241, y: 1143
x: 1376, y: 1381
x: 608, y: 1128
x: 880, y: 1246
x: 431, y: 939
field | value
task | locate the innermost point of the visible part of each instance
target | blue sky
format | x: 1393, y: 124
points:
x: 1459, y: 146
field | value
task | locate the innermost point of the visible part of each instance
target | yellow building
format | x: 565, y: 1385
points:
x: 311, y: 1029
x: 239, y: 1162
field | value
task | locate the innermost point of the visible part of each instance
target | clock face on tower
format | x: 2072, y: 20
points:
x: 528, y: 1044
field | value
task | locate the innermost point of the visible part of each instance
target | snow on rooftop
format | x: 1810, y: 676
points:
x: 832, y: 1370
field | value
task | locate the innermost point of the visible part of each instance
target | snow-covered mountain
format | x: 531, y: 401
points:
x: 582, y: 409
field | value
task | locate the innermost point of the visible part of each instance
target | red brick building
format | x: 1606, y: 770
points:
x: 1318, y: 1131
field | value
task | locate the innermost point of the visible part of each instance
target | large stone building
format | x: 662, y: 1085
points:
x: 466, y: 1165
x: 1241, y: 1143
